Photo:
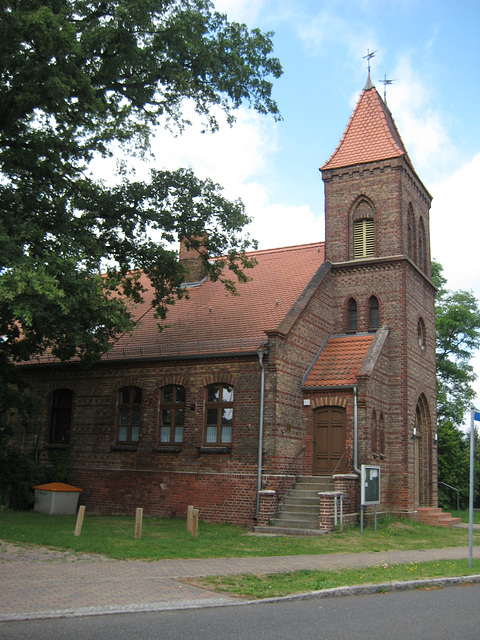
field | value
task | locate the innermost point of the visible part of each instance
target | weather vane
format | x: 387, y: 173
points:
x: 385, y: 82
x: 369, y: 56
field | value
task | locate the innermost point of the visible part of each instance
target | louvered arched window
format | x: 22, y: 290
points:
x: 363, y: 238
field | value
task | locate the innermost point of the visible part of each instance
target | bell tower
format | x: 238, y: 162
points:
x: 375, y: 204
x: 377, y: 220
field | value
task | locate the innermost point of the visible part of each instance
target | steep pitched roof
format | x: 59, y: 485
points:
x: 370, y: 136
x: 339, y: 361
x: 212, y: 320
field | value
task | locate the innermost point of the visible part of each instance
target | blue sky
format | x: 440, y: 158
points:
x: 430, y: 48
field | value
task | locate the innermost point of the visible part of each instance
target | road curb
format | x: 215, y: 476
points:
x: 355, y: 590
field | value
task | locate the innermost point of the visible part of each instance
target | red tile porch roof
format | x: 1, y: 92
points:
x: 339, y: 361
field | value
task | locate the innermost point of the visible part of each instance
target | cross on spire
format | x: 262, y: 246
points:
x: 369, y: 56
x: 385, y: 82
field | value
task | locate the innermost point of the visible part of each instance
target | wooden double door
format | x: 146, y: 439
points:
x: 329, y: 441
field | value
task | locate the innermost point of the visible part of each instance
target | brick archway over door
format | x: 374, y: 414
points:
x: 328, y: 440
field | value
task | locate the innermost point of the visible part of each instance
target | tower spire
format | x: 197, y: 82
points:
x: 369, y: 84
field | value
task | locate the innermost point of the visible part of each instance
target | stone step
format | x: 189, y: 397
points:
x: 300, y: 493
x: 296, y: 523
x: 318, y: 479
x: 299, y: 508
x: 307, y: 502
x: 436, y: 517
x: 288, y: 531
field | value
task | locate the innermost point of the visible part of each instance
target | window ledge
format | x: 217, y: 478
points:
x: 221, y: 450
x: 124, y: 447
x: 167, y: 449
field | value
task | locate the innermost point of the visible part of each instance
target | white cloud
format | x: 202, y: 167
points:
x: 240, y: 10
x: 272, y: 222
x: 455, y: 234
x: 455, y: 227
x: 424, y: 130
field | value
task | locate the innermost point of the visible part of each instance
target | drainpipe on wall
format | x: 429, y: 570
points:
x: 260, y: 431
x: 355, y: 430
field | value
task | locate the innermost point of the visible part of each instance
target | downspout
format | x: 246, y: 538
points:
x: 355, y: 430
x: 260, y: 431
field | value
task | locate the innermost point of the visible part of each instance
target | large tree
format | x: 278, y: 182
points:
x: 457, y: 339
x: 77, y: 78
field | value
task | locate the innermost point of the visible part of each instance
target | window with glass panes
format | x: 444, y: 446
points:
x: 128, y: 426
x: 61, y: 416
x: 374, y: 313
x: 172, y: 415
x: 219, y: 414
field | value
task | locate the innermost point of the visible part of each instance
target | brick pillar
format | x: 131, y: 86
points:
x: 326, y: 520
x: 268, y: 507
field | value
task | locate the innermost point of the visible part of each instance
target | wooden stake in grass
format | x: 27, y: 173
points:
x: 195, y: 523
x: 138, y: 523
x: 190, y: 519
x: 79, y: 525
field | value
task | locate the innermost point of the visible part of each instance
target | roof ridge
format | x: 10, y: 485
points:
x: 293, y: 247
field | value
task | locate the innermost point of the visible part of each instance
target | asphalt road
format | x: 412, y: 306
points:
x: 425, y: 614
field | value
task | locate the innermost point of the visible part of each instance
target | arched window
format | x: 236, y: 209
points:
x: 363, y: 238
x: 219, y: 415
x: 381, y: 435
x: 61, y: 416
x: 172, y: 415
x: 422, y: 246
x: 374, y: 313
x: 352, y: 315
x: 128, y: 415
x: 374, y: 433
x: 411, y: 233
x: 421, y: 334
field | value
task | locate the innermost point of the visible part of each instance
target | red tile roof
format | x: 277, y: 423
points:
x: 212, y: 320
x: 339, y: 361
x: 370, y: 136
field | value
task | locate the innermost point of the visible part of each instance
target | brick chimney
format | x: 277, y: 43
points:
x: 192, y: 261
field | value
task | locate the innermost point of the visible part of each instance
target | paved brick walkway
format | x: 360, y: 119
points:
x: 40, y: 583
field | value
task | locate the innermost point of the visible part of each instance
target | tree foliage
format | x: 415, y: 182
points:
x: 457, y: 338
x: 78, y: 77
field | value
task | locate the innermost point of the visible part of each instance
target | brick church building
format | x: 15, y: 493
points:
x: 323, y: 363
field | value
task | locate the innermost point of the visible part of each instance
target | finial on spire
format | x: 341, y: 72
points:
x: 385, y: 82
x: 369, y: 84
x: 369, y: 56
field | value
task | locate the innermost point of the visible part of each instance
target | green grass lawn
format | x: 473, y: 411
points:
x: 281, y: 584
x: 168, y: 538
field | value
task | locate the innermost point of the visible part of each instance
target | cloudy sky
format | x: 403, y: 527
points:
x: 430, y: 48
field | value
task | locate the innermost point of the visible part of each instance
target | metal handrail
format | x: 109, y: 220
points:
x: 458, y: 494
x: 338, y: 464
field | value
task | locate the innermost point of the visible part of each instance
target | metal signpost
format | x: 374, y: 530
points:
x: 475, y: 417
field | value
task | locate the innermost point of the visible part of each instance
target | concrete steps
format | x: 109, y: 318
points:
x: 300, y: 509
x: 436, y: 517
